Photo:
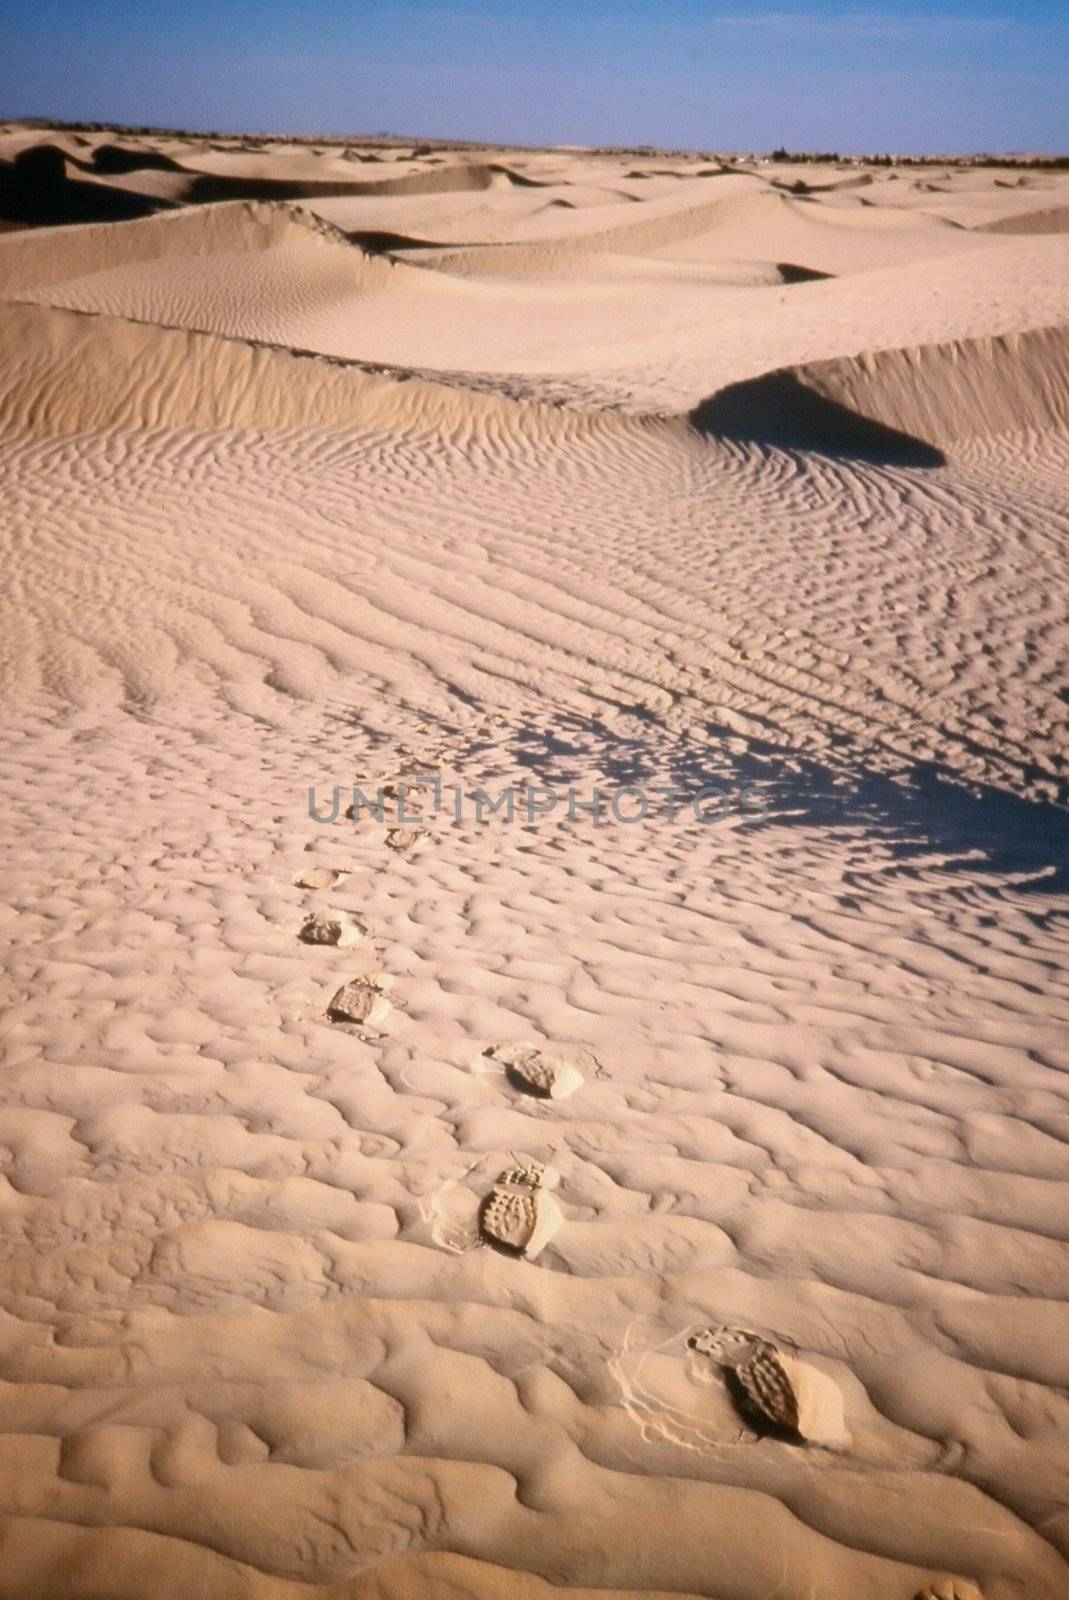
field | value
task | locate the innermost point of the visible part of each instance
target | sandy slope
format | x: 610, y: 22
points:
x: 590, y: 502
x: 645, y: 331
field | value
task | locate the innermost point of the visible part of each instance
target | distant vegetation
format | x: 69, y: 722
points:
x: 825, y: 157
x: 387, y: 140
x: 130, y: 130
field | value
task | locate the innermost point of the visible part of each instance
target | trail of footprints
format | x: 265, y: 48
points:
x: 775, y: 1393
x: 519, y: 1215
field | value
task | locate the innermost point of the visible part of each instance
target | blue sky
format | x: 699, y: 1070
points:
x: 902, y: 75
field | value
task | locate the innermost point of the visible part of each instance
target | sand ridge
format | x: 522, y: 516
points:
x: 610, y: 328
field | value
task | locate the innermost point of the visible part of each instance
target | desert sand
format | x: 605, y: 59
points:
x: 555, y: 1206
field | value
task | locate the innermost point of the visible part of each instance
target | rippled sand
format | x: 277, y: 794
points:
x: 567, y: 472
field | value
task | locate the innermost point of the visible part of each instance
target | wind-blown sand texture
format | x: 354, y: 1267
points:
x: 334, y: 465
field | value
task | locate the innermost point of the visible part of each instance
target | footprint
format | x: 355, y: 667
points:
x: 520, y: 1218
x: 318, y: 878
x: 529, y: 1068
x: 406, y: 838
x: 331, y: 927
x: 763, y: 1386
x: 359, y: 1001
x: 775, y: 1390
x: 949, y: 1589
x: 451, y: 1211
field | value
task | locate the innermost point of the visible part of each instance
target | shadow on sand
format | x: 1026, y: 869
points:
x: 778, y: 409
x: 923, y: 811
x: 38, y: 190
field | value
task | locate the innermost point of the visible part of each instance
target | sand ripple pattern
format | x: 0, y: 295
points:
x: 253, y: 1342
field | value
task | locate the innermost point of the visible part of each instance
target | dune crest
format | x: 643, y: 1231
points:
x: 894, y: 403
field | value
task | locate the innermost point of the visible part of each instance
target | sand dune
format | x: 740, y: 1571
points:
x: 1054, y: 220
x: 33, y: 258
x: 728, y: 490
x: 643, y: 332
x: 118, y: 179
x: 937, y: 395
x: 745, y: 224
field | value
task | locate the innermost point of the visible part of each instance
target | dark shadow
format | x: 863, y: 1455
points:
x: 35, y: 188
x: 520, y: 179
x: 523, y: 1084
x: 209, y: 188
x: 113, y: 160
x: 378, y: 242
x: 752, y: 1414
x: 778, y: 409
x: 791, y: 273
x: 922, y: 822
x: 923, y: 811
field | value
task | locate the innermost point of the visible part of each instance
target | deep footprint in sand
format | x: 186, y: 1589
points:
x: 522, y: 1221
x: 536, y: 1071
x: 521, y: 1216
x: 774, y: 1389
x: 331, y: 928
x: 360, y: 1001
x: 452, y: 1211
